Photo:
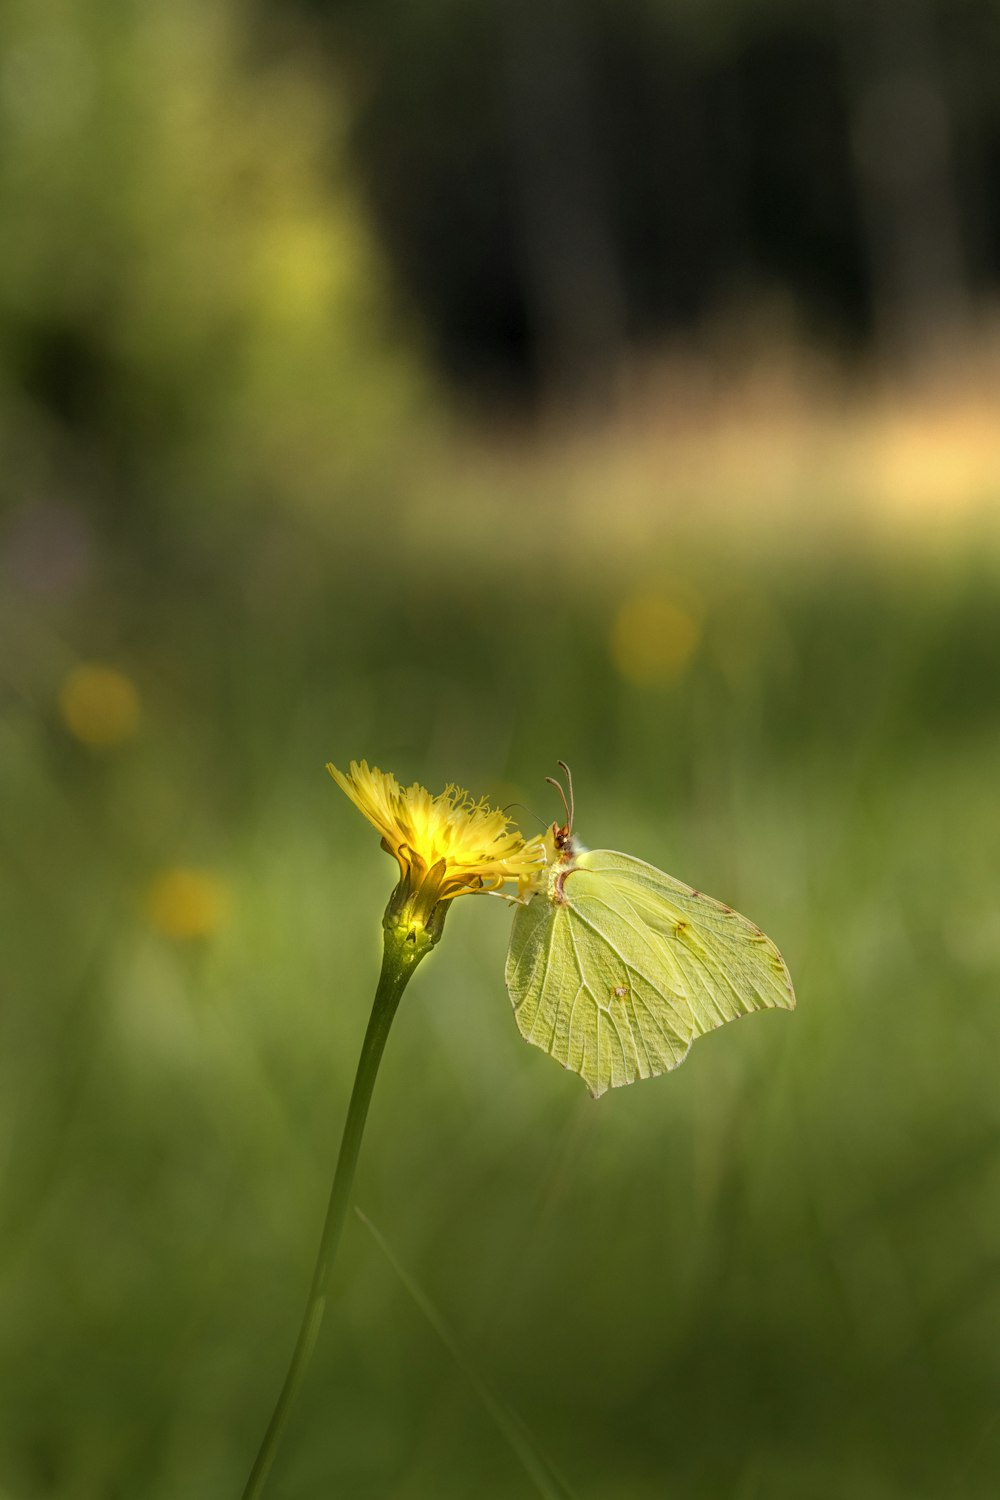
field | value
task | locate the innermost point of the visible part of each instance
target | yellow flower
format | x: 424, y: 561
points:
x: 446, y: 845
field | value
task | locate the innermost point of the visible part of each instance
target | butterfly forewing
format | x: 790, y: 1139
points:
x: 615, y: 978
x: 589, y: 987
x: 723, y: 964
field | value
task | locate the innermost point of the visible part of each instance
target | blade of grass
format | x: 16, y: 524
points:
x: 544, y: 1476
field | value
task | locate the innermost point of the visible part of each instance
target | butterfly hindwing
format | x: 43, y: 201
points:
x: 615, y: 978
x: 589, y: 987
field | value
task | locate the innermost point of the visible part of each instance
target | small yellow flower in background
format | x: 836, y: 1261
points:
x: 653, y: 637
x: 447, y: 845
x: 99, y: 705
x: 184, y: 903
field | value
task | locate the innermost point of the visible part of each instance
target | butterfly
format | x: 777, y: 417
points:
x: 614, y: 967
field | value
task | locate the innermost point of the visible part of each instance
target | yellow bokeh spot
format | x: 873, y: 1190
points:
x: 99, y: 705
x: 653, y: 637
x: 186, y: 903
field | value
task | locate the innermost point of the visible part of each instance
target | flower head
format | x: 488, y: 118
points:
x: 446, y: 845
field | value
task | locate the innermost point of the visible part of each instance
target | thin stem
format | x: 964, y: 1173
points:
x: 549, y: 1484
x: 398, y: 962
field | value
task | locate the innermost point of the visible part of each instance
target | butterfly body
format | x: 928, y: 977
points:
x: 614, y: 967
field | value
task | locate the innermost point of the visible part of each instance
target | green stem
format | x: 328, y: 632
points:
x: 403, y: 951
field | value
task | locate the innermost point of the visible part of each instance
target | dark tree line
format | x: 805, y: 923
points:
x: 559, y: 181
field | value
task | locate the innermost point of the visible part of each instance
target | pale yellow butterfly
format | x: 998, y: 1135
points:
x: 614, y: 967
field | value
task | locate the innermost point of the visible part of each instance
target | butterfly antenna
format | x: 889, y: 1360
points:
x: 553, y: 782
x: 567, y: 804
x: 569, y: 783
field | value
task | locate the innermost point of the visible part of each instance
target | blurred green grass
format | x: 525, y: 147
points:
x: 770, y: 1274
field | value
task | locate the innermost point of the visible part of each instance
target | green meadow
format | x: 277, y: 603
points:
x: 771, y: 1273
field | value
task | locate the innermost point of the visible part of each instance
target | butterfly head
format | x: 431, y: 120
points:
x: 565, y: 845
x: 563, y: 840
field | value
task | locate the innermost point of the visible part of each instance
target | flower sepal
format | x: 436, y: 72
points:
x: 414, y: 918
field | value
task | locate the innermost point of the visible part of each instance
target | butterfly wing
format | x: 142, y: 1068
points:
x: 615, y: 980
x: 722, y: 963
x: 592, y: 990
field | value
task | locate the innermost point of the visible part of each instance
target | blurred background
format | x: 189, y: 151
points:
x: 466, y: 385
